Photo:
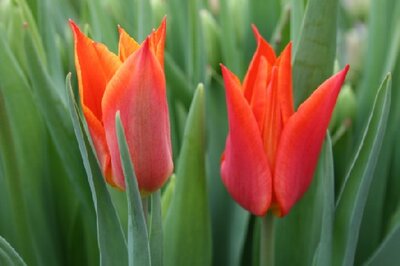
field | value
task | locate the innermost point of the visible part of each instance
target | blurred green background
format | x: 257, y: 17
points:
x: 350, y: 215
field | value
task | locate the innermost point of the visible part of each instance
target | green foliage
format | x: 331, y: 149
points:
x: 187, y: 225
x: 56, y: 208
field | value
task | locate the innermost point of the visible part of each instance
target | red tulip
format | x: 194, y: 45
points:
x: 271, y: 151
x: 134, y: 84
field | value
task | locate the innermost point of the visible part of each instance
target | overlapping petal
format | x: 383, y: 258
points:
x: 301, y: 143
x: 138, y: 91
x: 244, y: 168
x: 270, y: 148
x: 134, y: 84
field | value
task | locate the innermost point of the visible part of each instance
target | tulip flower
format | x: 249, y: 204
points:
x: 132, y: 82
x: 271, y: 151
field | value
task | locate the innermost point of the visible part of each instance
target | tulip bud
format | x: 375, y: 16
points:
x: 345, y: 110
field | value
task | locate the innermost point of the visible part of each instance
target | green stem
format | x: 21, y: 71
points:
x: 267, y: 250
x: 145, y: 205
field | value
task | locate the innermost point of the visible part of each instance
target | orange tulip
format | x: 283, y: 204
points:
x: 132, y: 82
x: 271, y: 151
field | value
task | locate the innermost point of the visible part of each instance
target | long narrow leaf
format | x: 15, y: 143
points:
x: 353, y: 196
x: 187, y: 227
x: 315, y: 53
x: 111, y: 239
x: 138, y: 241
x: 8, y: 255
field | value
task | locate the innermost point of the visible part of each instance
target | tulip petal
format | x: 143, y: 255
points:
x: 157, y: 41
x: 285, y: 83
x: 100, y: 144
x: 273, y: 123
x: 127, y: 45
x: 301, y: 143
x: 263, y: 50
x: 259, y: 97
x: 138, y: 91
x: 244, y: 168
x: 92, y: 80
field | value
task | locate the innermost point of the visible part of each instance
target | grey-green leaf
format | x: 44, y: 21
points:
x: 111, y: 240
x: 315, y: 53
x: 353, y: 196
x: 8, y: 255
x: 138, y: 241
x: 187, y: 227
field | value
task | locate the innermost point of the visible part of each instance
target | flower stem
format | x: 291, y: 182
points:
x: 145, y: 205
x: 267, y: 250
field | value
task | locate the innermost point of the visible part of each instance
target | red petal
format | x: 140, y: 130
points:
x: 301, y: 143
x: 259, y: 97
x: 273, y: 123
x: 127, y: 45
x: 263, y: 50
x: 138, y: 91
x: 157, y: 41
x: 95, y: 66
x: 100, y: 144
x: 244, y: 168
x: 285, y: 83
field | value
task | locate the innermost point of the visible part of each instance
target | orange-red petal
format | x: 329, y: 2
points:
x: 98, y: 136
x: 127, y: 45
x: 263, y: 50
x: 285, y: 83
x: 95, y: 65
x: 259, y: 97
x: 244, y: 168
x: 138, y: 91
x: 157, y: 41
x: 273, y: 123
x: 301, y: 143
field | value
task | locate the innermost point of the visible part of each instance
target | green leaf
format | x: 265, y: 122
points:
x: 388, y: 251
x: 323, y: 255
x: 22, y: 152
x: 8, y: 256
x: 167, y: 196
x: 187, y: 231
x: 138, y: 241
x: 111, y: 241
x: 60, y: 127
x: 296, y: 18
x: 353, y: 196
x: 315, y: 54
x: 156, y: 236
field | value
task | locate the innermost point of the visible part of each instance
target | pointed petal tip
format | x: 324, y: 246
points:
x: 256, y: 32
x: 73, y: 26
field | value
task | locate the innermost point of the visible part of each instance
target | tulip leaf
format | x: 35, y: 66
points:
x: 110, y: 237
x: 156, y: 236
x: 187, y: 229
x: 388, y: 251
x: 138, y: 241
x: 353, y: 196
x: 323, y: 253
x: 315, y: 54
x: 61, y: 129
x: 22, y: 152
x: 296, y: 18
x: 8, y: 255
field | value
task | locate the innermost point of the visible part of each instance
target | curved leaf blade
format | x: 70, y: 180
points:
x: 111, y: 240
x: 138, y: 241
x: 353, y: 196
